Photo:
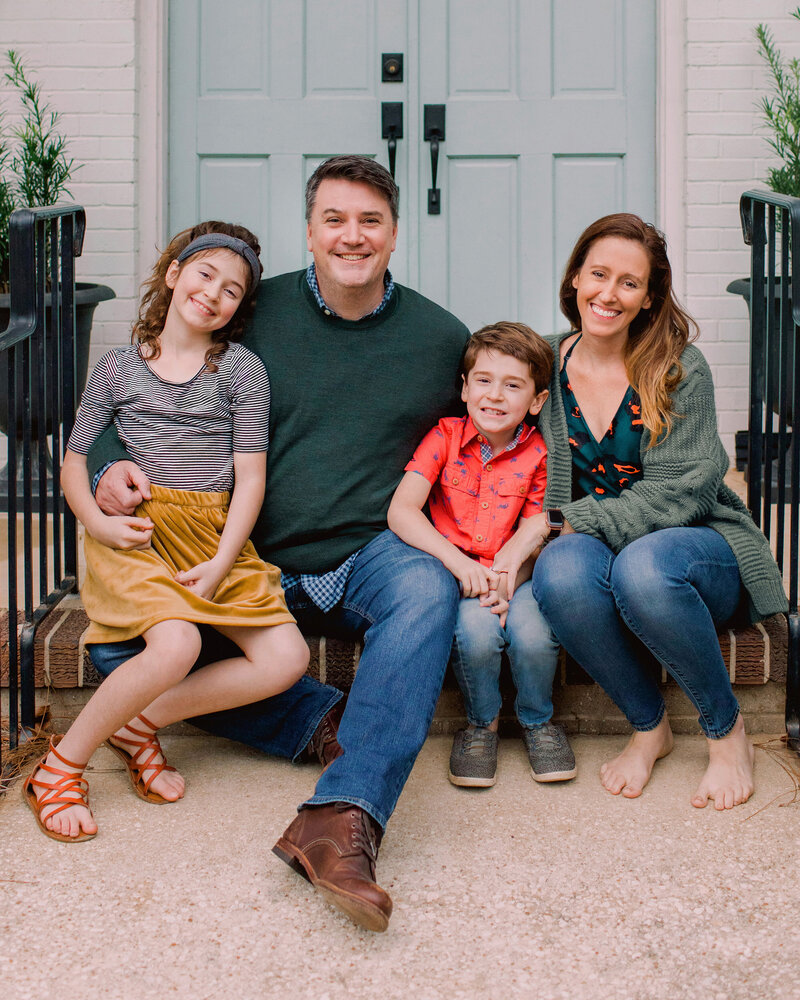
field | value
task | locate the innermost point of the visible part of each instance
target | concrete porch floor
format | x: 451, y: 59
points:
x: 522, y: 890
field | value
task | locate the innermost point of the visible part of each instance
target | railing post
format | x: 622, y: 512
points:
x: 771, y: 227
x: 39, y: 359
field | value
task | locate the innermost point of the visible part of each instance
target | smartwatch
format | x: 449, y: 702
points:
x: 555, y: 522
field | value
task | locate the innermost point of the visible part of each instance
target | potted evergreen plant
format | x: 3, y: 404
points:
x: 34, y: 172
x: 780, y: 114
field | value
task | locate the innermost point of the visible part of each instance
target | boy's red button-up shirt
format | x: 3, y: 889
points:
x: 474, y: 505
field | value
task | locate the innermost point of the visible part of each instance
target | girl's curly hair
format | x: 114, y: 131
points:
x: 157, y: 296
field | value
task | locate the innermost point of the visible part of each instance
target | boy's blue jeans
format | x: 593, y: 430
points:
x: 403, y: 602
x: 659, y: 600
x: 532, y: 651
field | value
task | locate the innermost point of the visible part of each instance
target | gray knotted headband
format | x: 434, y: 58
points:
x: 212, y: 241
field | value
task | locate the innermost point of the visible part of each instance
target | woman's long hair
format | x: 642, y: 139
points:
x: 657, y: 336
x: 157, y: 296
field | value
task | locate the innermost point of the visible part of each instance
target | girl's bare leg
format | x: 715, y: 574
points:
x: 274, y: 658
x: 171, y: 649
x: 729, y: 777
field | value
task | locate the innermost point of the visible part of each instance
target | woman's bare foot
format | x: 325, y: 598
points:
x: 170, y: 785
x: 631, y: 771
x: 729, y: 777
x: 73, y: 820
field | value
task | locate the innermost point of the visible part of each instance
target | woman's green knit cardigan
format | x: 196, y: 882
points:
x: 682, y: 484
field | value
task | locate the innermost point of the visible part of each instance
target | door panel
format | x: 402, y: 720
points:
x: 550, y: 122
x: 553, y: 88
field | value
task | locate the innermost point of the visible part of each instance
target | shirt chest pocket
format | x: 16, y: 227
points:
x: 459, y: 490
x: 512, y: 491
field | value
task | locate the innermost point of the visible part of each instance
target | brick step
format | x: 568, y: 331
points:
x: 755, y: 656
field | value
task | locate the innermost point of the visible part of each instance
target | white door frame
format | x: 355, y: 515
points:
x: 151, y: 141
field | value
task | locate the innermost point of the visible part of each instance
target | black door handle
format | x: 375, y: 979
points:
x: 392, y: 125
x: 434, y: 134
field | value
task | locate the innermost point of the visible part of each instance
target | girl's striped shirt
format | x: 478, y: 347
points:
x: 182, y: 435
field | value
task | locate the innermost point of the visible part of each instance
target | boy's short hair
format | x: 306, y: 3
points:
x: 517, y: 341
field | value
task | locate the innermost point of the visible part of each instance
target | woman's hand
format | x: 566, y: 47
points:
x: 203, y: 579
x: 121, y: 532
x: 525, y: 541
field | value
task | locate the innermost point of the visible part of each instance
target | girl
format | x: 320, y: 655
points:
x: 651, y: 551
x: 191, y: 407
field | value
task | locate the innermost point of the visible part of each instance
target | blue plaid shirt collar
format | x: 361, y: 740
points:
x: 313, y: 284
x: 486, y: 448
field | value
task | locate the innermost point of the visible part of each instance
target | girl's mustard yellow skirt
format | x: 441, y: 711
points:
x: 127, y: 592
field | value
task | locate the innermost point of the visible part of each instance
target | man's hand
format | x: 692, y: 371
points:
x: 121, y: 489
x: 203, y: 579
x: 121, y: 532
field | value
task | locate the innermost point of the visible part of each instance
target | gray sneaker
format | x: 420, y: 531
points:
x: 549, y: 752
x: 473, y: 759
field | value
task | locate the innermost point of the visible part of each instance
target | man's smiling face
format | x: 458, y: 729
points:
x: 351, y: 235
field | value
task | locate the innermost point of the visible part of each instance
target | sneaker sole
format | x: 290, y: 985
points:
x: 554, y: 775
x: 464, y: 781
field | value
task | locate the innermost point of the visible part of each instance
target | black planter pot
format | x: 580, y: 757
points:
x: 87, y: 298
x: 741, y: 286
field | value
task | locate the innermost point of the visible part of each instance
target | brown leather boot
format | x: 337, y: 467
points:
x: 335, y: 847
x: 324, y: 744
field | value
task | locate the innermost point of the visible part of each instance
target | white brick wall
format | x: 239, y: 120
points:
x: 726, y: 154
x: 83, y: 54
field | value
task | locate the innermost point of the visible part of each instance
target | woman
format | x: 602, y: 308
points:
x: 649, y: 550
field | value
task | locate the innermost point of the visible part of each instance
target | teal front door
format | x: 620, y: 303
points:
x: 547, y: 109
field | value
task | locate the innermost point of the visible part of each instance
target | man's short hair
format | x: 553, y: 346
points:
x: 517, y: 341
x: 359, y: 170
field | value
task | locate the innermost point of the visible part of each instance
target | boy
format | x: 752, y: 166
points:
x: 479, y: 474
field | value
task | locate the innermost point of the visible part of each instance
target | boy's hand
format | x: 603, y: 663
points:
x: 202, y: 579
x: 497, y: 600
x: 474, y: 578
x: 122, y: 532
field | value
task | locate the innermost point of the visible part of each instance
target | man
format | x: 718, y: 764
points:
x: 359, y: 369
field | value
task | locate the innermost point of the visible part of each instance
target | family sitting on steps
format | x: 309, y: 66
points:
x: 579, y: 501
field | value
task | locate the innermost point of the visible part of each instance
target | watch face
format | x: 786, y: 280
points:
x: 555, y: 519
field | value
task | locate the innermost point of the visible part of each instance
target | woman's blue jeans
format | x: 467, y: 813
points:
x: 663, y: 596
x: 532, y: 654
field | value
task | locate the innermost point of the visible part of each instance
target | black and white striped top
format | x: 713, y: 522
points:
x: 182, y: 435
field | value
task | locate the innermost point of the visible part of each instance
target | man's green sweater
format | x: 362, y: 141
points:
x: 682, y: 485
x: 350, y: 402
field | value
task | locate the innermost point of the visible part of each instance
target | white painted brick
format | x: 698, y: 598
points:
x: 702, y: 146
x: 719, y: 78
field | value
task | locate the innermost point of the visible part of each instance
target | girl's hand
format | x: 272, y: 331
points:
x: 474, y: 578
x: 203, y: 579
x: 122, y: 532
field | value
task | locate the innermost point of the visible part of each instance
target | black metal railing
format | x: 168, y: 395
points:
x: 771, y: 227
x: 37, y: 357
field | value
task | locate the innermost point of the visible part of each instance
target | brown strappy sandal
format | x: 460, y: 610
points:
x: 56, y: 794
x: 136, y: 766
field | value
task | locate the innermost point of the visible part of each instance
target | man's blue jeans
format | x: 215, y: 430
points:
x: 532, y: 655
x: 660, y: 599
x: 403, y: 602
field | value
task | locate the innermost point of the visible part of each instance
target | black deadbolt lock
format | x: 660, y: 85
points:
x: 392, y: 67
